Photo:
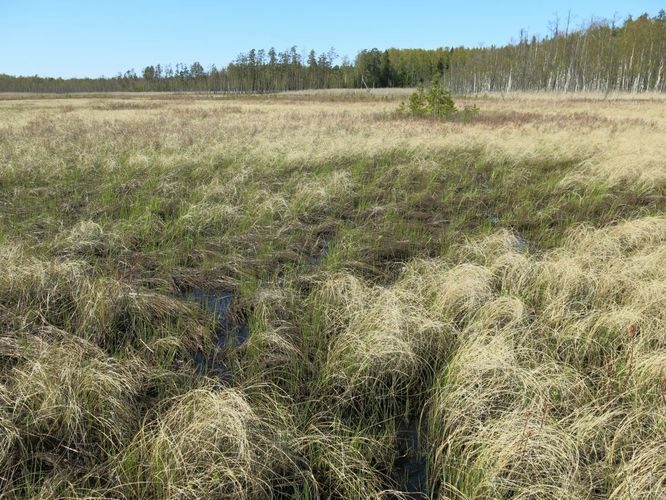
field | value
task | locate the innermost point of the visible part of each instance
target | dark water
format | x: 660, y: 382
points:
x: 231, y: 331
x: 320, y: 255
x: 410, y: 467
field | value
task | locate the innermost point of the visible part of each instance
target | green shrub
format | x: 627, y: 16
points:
x: 436, y: 101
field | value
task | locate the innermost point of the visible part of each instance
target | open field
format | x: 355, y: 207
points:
x: 309, y: 296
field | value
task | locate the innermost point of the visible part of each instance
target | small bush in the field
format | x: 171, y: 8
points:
x: 435, y: 102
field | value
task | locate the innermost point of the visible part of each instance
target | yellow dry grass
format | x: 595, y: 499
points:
x: 499, y: 284
x: 611, y: 139
x: 554, y: 380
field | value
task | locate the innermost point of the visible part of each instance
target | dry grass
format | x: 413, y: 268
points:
x: 495, y: 287
x: 552, y: 400
x: 206, y: 444
x: 629, y: 134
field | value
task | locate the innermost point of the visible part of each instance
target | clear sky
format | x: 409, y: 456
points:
x: 103, y: 37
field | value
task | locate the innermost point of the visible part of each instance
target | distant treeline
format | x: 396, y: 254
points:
x: 602, y: 56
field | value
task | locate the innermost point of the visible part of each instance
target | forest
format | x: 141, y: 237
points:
x: 602, y: 56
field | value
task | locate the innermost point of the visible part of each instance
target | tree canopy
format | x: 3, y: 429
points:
x: 600, y: 57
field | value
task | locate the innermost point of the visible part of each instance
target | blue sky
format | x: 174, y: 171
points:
x: 93, y: 38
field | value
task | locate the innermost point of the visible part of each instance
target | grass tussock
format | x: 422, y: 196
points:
x: 72, y: 394
x: 205, y: 444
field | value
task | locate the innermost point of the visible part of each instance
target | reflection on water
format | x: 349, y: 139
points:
x: 231, y: 331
